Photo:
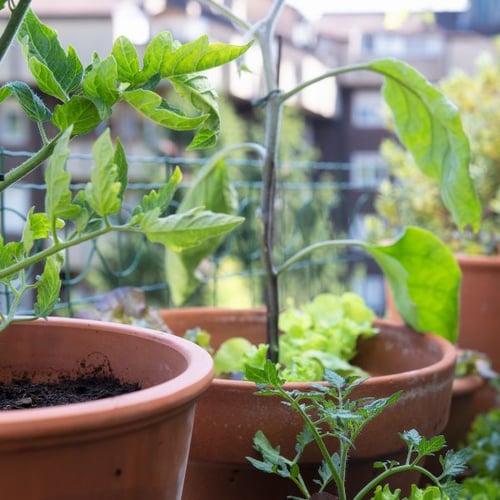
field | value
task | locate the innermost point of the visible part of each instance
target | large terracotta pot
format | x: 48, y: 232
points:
x: 229, y: 413
x: 129, y: 447
x: 480, y: 306
x: 464, y: 392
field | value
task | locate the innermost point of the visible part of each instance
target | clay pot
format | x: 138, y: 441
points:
x: 480, y: 305
x: 129, y: 447
x: 464, y: 392
x: 229, y: 413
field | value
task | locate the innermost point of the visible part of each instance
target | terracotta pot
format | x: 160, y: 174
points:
x: 229, y: 413
x: 480, y: 306
x: 129, y: 447
x: 464, y: 391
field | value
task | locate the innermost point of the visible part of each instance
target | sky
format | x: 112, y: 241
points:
x: 313, y: 8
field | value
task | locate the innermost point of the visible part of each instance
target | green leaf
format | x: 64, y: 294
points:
x: 200, y: 55
x: 425, y: 281
x: 156, y: 53
x: 46, y: 80
x: 58, y: 193
x: 32, y: 105
x: 385, y: 493
x: 48, y: 287
x: 197, y: 92
x: 103, y: 190
x: 212, y: 189
x: 159, y: 111
x: 120, y: 160
x: 430, y: 446
x: 10, y: 253
x: 229, y: 356
x: 37, y: 227
x: 455, y: 462
x: 429, y: 126
x: 186, y: 230
x: 100, y: 81
x: 56, y: 73
x: 160, y: 200
x: 127, y: 60
x: 80, y: 113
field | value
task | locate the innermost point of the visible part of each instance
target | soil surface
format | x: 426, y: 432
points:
x: 22, y: 393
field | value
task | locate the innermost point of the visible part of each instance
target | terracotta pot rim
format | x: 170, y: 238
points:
x: 151, y: 401
x: 467, y: 384
x: 478, y: 260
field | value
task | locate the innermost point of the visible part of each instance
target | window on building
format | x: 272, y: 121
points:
x: 366, y: 111
x: 368, y: 169
x: 402, y: 46
x: 14, y: 126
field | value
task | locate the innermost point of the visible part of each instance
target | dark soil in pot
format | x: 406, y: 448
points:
x: 23, y: 393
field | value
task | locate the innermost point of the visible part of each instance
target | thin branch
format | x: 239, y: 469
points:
x: 304, y: 252
x: 15, y: 20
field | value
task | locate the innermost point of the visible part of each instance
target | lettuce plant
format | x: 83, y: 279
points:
x: 85, y: 97
x: 420, y: 269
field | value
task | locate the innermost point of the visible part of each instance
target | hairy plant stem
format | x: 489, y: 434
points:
x: 63, y: 245
x: 15, y: 20
x: 29, y: 165
x: 399, y: 469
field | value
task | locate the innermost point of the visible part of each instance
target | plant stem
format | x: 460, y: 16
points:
x: 304, y: 252
x: 29, y: 165
x: 273, y: 118
x: 56, y: 248
x: 390, y: 472
x: 318, y: 439
x: 15, y: 20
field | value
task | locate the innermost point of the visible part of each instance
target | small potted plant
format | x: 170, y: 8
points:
x: 419, y: 267
x: 134, y: 445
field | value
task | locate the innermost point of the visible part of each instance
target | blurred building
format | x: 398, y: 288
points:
x: 345, y: 116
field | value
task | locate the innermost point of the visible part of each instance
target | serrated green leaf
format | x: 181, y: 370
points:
x: 100, y: 81
x: 37, y: 227
x: 159, y: 111
x: 48, y: 287
x: 198, y: 93
x: 57, y: 179
x: 82, y: 220
x: 127, y: 60
x: 160, y: 200
x: 120, y: 160
x: 10, y: 253
x: 56, y: 72
x: 46, y: 80
x: 429, y: 126
x: 187, y: 230
x: 425, y: 281
x: 103, y: 191
x: 32, y: 105
x: 211, y: 189
x: 200, y: 55
x: 430, y: 446
x: 455, y: 462
x: 79, y: 112
x: 157, y: 51
x: 270, y: 454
